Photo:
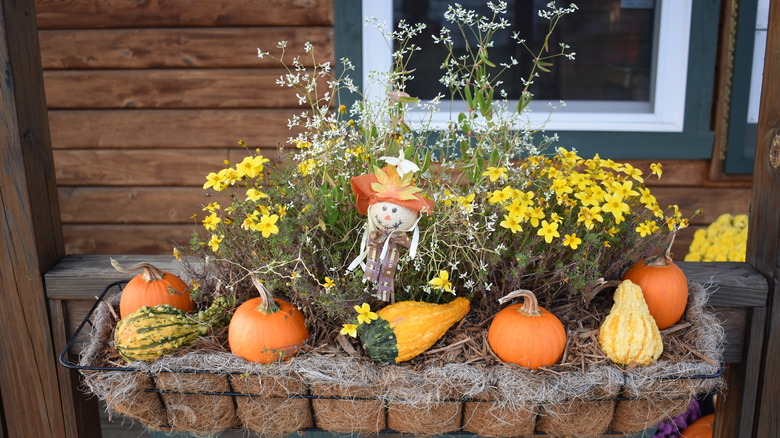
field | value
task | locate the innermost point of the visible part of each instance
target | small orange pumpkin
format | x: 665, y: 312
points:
x: 701, y: 428
x: 664, y: 287
x: 151, y: 288
x: 266, y: 329
x: 526, y: 334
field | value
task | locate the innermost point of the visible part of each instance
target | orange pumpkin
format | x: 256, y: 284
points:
x: 701, y: 428
x: 526, y: 334
x: 151, y: 288
x: 266, y: 329
x: 664, y: 287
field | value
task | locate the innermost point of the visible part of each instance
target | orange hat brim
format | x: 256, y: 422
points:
x: 366, y: 196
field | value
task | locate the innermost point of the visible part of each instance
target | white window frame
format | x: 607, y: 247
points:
x: 665, y: 112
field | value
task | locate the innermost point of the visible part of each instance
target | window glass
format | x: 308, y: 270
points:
x: 613, y: 41
x: 630, y: 72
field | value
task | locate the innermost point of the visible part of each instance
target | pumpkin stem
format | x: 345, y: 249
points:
x: 602, y: 284
x: 267, y: 303
x: 664, y: 259
x: 530, y: 305
x: 149, y: 275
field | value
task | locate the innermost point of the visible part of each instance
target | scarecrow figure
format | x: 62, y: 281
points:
x: 393, y: 206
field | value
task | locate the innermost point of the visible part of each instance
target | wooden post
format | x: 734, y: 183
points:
x: 764, y: 237
x: 30, y: 234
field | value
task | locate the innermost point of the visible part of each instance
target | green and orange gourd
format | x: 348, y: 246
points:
x: 153, y: 331
x: 406, y: 329
x: 526, y: 334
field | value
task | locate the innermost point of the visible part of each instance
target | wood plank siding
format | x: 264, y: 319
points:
x: 146, y: 99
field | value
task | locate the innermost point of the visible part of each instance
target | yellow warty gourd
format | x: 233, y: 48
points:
x: 629, y: 333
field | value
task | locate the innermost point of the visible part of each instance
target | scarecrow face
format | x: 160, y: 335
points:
x: 392, y: 217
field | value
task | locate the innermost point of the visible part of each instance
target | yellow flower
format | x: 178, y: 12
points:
x: 494, y: 173
x: 442, y: 281
x: 614, y: 204
x: 282, y: 210
x: 534, y: 215
x: 250, y: 221
x: 500, y: 196
x: 349, y: 329
x: 212, y: 207
x: 646, y: 228
x: 228, y: 176
x: 302, y: 144
x: 560, y: 186
x: 571, y: 240
x: 177, y: 254
x: 588, y: 197
x: 267, y: 225
x: 255, y: 195
x: 625, y: 190
x: 329, y: 283
x: 516, y: 209
x: 214, y: 242
x: 587, y: 216
x: 305, y: 167
x: 656, y: 169
x: 259, y: 162
x: 365, y: 315
x: 556, y: 218
x: 511, y: 223
x: 246, y: 168
x: 741, y: 221
x: 568, y: 156
x: 211, y: 221
x: 692, y: 257
x: 467, y: 202
x: 342, y: 109
x: 633, y: 172
x: 548, y: 231
x: 214, y: 181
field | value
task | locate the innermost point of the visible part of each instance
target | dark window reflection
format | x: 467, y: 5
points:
x: 613, y: 41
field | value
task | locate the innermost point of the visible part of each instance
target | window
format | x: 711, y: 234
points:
x: 615, y: 84
x: 666, y: 110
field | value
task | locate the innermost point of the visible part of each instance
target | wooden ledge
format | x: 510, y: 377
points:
x: 79, y: 277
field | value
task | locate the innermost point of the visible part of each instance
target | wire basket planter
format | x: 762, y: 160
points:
x: 205, y: 393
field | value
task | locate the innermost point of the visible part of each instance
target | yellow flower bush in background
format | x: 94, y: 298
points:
x: 724, y: 240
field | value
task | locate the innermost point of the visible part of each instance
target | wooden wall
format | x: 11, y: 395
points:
x: 146, y: 98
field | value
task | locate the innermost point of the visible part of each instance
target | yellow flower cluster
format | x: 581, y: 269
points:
x: 587, y: 191
x: 365, y: 316
x: 257, y: 217
x: 724, y: 240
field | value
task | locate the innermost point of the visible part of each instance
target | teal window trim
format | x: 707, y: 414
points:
x: 742, y: 136
x: 694, y: 142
